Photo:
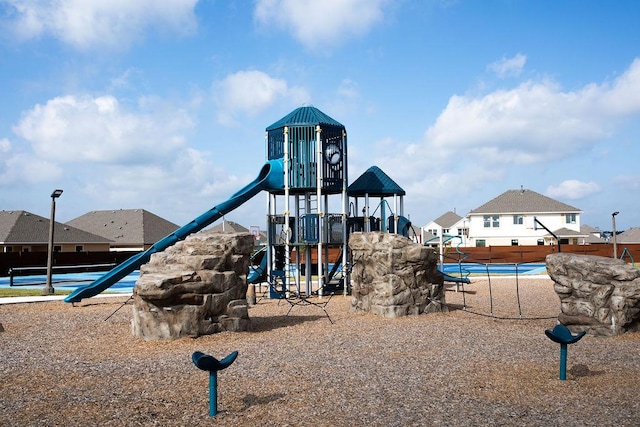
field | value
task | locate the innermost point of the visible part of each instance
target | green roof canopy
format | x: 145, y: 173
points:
x: 305, y: 116
x: 375, y: 183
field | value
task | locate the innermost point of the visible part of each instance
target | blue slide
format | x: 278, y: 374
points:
x: 454, y: 279
x: 258, y: 273
x: 271, y: 177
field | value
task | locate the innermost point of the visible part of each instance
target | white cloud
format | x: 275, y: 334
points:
x: 532, y: 124
x: 509, y: 67
x: 5, y: 145
x: 72, y: 129
x: 535, y: 121
x: 83, y: 23
x: 251, y: 92
x: 572, y: 189
x: 320, y: 23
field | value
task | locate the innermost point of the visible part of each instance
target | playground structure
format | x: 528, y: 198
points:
x: 306, y: 175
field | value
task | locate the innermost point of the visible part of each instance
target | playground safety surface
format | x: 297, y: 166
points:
x: 64, y: 365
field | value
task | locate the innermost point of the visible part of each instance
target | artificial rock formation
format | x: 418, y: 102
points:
x: 598, y: 295
x: 393, y: 276
x: 196, y: 287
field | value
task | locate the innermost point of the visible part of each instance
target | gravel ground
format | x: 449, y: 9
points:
x: 65, y: 365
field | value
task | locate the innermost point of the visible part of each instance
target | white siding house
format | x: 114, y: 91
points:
x: 509, y: 219
x: 447, y: 225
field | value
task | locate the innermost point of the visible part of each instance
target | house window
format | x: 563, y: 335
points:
x: 434, y: 232
x: 79, y: 248
x: 481, y: 243
x: 564, y: 241
x: 463, y: 232
x: 491, y: 221
x: 540, y: 242
x: 570, y: 218
x: 514, y: 242
x: 8, y: 249
x: 25, y: 249
x: 445, y: 231
x: 57, y: 249
x: 518, y: 220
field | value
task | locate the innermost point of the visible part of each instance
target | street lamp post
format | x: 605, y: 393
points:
x: 48, y: 290
x: 613, y: 226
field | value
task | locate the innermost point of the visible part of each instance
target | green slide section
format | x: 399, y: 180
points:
x: 271, y: 177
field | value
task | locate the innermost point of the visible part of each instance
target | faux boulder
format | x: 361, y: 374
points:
x: 393, y: 276
x: 598, y: 295
x: 196, y: 287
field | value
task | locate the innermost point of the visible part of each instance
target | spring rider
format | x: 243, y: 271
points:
x: 562, y: 335
x: 212, y: 365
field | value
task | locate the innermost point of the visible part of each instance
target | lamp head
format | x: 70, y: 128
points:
x: 56, y: 194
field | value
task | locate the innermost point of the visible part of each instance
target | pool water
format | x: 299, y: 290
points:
x: 503, y: 269
x: 69, y: 281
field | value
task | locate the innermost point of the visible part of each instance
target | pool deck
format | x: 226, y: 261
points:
x: 48, y: 298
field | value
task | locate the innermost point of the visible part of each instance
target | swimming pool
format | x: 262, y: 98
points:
x: 502, y: 269
x: 69, y: 281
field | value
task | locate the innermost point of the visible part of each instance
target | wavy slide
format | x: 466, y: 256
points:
x: 271, y: 177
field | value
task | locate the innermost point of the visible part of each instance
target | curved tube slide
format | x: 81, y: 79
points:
x: 271, y: 177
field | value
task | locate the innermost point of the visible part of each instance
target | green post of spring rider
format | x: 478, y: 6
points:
x: 213, y: 365
x: 563, y: 336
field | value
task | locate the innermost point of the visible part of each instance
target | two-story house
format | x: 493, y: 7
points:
x: 444, y: 228
x: 519, y: 217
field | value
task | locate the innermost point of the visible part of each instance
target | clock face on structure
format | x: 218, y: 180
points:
x: 333, y: 154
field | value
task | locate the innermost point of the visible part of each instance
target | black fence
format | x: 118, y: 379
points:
x: 19, y: 262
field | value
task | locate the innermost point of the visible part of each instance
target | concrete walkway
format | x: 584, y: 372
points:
x: 48, y: 298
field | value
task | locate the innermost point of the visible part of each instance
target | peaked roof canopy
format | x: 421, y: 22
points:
x: 522, y: 201
x: 305, y: 116
x: 375, y: 183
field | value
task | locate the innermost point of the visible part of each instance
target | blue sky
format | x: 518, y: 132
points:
x: 163, y: 105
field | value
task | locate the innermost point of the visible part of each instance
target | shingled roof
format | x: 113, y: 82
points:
x: 375, y: 183
x: 125, y: 226
x: 448, y: 219
x: 22, y: 227
x: 229, y: 227
x: 523, y: 201
x: 632, y: 235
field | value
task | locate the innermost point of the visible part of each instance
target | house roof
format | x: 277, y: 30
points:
x: 591, y: 232
x: 375, y: 183
x: 125, y: 226
x: 447, y: 219
x: 632, y: 235
x: 305, y: 116
x: 566, y: 232
x: 523, y: 201
x: 22, y: 227
x: 229, y: 227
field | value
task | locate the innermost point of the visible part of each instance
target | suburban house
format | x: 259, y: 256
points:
x: 594, y: 236
x: 514, y: 218
x: 519, y: 217
x: 444, y: 227
x: 22, y: 231
x: 632, y: 235
x: 128, y: 229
